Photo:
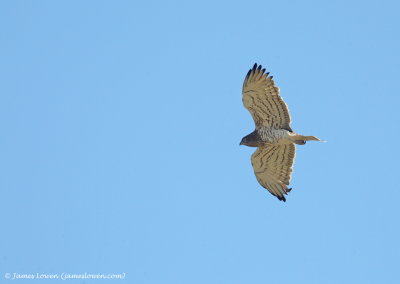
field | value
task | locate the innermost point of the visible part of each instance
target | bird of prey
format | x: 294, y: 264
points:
x: 274, y: 138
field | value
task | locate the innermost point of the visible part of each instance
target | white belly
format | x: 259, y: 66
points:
x: 274, y: 136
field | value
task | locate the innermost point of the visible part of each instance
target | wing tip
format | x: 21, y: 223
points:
x: 259, y: 69
x: 251, y: 70
x: 257, y: 73
x: 282, y: 198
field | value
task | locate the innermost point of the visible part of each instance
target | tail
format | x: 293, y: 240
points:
x: 310, y: 138
x: 301, y: 140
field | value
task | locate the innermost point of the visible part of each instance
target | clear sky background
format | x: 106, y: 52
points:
x: 120, y: 128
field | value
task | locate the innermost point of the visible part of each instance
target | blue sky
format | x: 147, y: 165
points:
x: 121, y: 124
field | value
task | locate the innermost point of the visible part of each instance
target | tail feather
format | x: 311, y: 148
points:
x: 311, y: 138
x: 297, y: 138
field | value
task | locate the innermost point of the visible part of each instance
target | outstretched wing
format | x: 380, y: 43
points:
x: 261, y: 97
x: 273, y: 166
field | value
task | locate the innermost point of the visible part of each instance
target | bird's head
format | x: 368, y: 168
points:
x: 244, y: 141
x: 251, y: 140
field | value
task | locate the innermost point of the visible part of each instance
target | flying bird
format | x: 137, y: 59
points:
x: 274, y: 138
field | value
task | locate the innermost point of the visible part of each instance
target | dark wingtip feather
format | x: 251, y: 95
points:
x: 289, y: 189
x: 248, y: 74
x: 281, y: 198
x: 251, y: 70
